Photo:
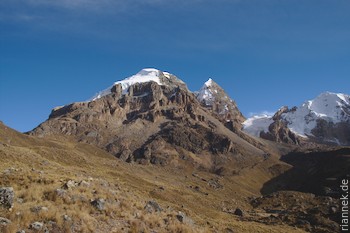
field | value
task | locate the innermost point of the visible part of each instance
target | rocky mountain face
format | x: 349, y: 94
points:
x: 326, y: 119
x: 152, y: 117
x: 214, y: 98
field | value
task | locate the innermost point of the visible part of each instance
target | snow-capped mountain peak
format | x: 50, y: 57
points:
x: 214, y: 97
x: 209, y: 82
x: 143, y: 76
x: 329, y: 105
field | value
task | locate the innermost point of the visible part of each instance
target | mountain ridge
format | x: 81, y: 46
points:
x: 138, y: 121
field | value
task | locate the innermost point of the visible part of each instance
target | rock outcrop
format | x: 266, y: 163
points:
x: 278, y: 131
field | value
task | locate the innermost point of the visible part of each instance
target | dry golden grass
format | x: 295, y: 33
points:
x: 41, y: 166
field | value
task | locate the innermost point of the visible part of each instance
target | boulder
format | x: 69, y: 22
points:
x: 6, y: 197
x: 36, y: 226
x: 4, y: 221
x: 153, y: 206
x: 98, y: 204
x: 60, y: 193
x: 84, y: 183
x: 239, y: 212
x: 125, y: 155
x: 66, y: 218
x: 183, y: 218
x: 70, y: 184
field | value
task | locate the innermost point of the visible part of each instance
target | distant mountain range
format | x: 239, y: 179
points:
x: 325, y: 119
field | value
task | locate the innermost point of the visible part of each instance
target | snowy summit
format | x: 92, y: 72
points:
x: 214, y: 97
x: 143, y: 76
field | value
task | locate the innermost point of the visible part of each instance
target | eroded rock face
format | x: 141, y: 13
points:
x: 148, y: 123
x: 279, y: 132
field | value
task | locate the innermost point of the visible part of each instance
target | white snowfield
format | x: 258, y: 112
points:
x: 332, y: 107
x: 145, y: 75
x: 257, y: 124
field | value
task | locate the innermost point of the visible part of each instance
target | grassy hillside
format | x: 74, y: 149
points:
x: 58, y: 182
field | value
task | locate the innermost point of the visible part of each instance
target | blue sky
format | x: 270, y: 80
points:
x: 265, y: 53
